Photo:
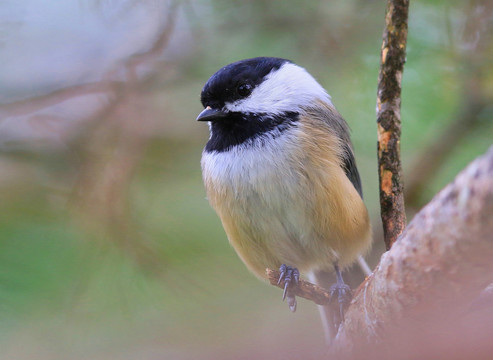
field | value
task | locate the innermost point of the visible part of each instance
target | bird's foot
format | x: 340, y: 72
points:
x: 343, y: 294
x: 290, y: 275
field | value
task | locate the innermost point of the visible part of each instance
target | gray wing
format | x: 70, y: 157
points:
x: 351, y: 170
x: 328, y: 114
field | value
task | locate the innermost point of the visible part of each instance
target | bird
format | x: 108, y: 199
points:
x: 280, y: 172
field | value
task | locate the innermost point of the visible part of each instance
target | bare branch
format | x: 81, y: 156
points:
x: 101, y: 191
x: 30, y: 105
x: 105, y: 86
x: 162, y: 41
x: 439, y: 264
x: 393, y: 57
x: 304, y: 289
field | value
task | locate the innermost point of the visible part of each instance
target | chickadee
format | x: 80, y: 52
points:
x: 280, y: 172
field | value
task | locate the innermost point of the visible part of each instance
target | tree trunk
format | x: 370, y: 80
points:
x: 426, y: 282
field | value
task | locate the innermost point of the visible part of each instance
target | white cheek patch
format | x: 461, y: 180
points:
x: 288, y: 89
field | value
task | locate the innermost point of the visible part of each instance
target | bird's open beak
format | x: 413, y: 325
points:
x: 210, y: 114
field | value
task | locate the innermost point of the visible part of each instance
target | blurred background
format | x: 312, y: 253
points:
x: 108, y: 247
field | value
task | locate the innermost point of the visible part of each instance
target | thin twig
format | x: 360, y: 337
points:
x: 30, y: 105
x: 304, y: 288
x: 393, y: 57
x: 102, y: 186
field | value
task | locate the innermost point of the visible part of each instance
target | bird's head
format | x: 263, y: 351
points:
x: 254, y: 96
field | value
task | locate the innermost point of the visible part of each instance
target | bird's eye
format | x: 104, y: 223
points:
x: 244, y: 89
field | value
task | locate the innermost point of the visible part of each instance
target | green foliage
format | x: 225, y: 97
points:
x: 169, y: 284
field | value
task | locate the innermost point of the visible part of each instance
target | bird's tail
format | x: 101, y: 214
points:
x: 365, y: 268
x: 324, y: 279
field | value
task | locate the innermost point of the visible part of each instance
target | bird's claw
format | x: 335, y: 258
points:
x: 291, y: 276
x: 343, y: 294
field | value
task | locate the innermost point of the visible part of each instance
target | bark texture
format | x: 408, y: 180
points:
x: 393, y: 57
x: 438, y: 266
x: 304, y: 288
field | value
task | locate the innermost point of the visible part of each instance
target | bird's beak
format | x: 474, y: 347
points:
x: 210, y: 114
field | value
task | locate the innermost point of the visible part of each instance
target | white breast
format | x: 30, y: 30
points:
x: 263, y: 182
x: 263, y: 166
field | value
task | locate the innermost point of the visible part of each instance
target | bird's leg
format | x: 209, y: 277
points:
x: 343, y: 294
x: 291, y: 276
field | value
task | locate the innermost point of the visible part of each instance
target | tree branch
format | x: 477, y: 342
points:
x: 304, y: 289
x: 439, y: 264
x: 393, y: 57
x: 30, y: 105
